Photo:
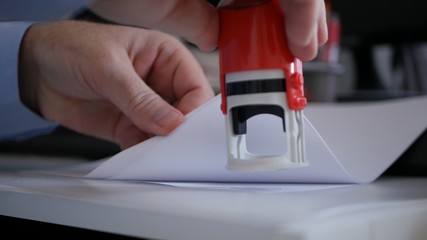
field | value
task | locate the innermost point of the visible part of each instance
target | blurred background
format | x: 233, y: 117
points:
x: 377, y: 50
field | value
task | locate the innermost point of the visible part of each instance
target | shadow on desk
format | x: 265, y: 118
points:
x: 42, y: 230
x: 62, y: 142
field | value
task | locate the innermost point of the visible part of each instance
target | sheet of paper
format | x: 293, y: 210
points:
x: 368, y: 137
x: 346, y: 143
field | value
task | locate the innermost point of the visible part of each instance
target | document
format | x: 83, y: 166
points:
x: 345, y: 143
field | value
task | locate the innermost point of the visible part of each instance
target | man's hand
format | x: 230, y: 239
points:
x: 119, y: 83
x: 306, y: 28
x: 197, y: 21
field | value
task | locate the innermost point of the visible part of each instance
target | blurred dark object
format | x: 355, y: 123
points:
x: 320, y: 80
x: 89, y: 16
x: 370, y: 22
x: 413, y: 161
x: 62, y: 142
x: 366, y: 24
x: 45, y: 230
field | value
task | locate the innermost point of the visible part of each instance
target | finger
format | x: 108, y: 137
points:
x: 175, y: 75
x: 146, y: 109
x: 126, y: 134
x: 97, y: 118
x: 303, y: 29
x: 191, y: 88
x: 196, y: 21
x: 171, y: 75
x: 322, y: 28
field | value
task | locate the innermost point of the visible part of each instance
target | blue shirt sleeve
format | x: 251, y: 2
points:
x: 17, y: 122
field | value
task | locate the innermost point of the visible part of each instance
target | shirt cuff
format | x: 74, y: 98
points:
x: 17, y: 122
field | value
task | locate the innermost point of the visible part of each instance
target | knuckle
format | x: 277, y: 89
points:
x: 143, y: 102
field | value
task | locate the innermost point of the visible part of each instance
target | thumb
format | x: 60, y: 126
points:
x: 150, y: 113
x: 144, y: 107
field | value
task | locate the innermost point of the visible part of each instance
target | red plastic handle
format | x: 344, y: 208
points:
x: 254, y: 38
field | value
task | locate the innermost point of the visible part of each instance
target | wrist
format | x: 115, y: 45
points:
x: 27, y: 74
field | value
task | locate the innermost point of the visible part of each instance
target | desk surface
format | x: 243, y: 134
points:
x: 389, y: 208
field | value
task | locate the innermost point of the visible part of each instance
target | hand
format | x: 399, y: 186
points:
x: 306, y: 28
x: 197, y: 21
x: 119, y: 83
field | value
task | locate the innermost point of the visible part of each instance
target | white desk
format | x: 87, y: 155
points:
x: 389, y: 208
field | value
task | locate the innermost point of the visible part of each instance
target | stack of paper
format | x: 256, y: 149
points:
x: 345, y: 142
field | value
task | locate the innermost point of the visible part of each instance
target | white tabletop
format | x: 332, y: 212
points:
x: 388, y: 208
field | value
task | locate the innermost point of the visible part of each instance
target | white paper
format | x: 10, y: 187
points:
x: 346, y: 143
x: 254, y: 187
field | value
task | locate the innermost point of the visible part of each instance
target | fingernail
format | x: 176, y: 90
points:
x: 168, y: 118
